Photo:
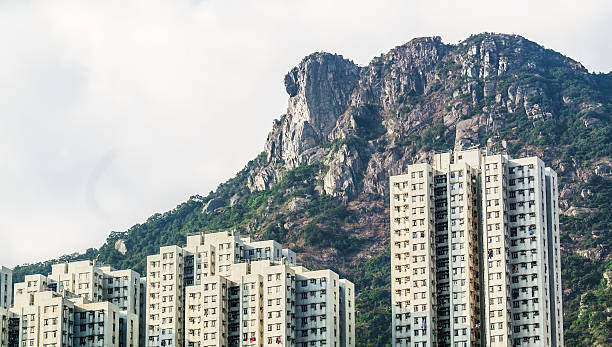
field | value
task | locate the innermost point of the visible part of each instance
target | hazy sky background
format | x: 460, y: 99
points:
x: 111, y: 111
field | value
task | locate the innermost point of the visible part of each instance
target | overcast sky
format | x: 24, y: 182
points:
x: 111, y: 111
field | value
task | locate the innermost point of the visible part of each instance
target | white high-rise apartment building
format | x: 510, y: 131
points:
x: 5, y: 317
x: 59, y: 310
x: 325, y: 308
x: 48, y: 318
x: 475, y: 252
x: 222, y: 289
x: 165, y: 297
x: 95, y: 283
x: 6, y: 287
x: 6, y: 299
x: 99, y: 283
x: 103, y: 324
x: 45, y: 318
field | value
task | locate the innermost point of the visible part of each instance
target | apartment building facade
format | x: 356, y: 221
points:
x: 59, y: 309
x: 223, y: 289
x: 5, y: 321
x: 6, y: 287
x: 206, y: 311
x: 325, y: 308
x: 94, y: 283
x: 6, y: 300
x: 102, y: 324
x: 44, y: 318
x: 475, y: 253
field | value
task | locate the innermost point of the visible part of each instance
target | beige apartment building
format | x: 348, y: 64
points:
x: 223, y: 289
x: 45, y: 318
x: 48, y: 318
x: 475, y: 252
x: 6, y: 299
x: 5, y: 316
x: 325, y: 311
x: 206, y: 312
x: 100, y: 283
x: 6, y: 287
x: 78, y: 304
x: 95, y: 324
x: 94, y: 283
x: 102, y: 324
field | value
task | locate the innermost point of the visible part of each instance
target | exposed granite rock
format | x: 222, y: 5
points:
x: 592, y: 253
x: 298, y: 204
x: 406, y: 69
x: 341, y: 177
x: 575, y: 211
x: 213, y: 204
x: 361, y: 121
x: 603, y: 168
x: 262, y: 177
x: 467, y: 132
x: 607, y: 275
x: 120, y: 246
x: 319, y: 92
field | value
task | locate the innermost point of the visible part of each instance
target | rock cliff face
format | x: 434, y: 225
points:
x: 319, y: 91
x: 361, y: 122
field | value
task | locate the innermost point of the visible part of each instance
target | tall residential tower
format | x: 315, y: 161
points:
x: 223, y: 289
x: 6, y: 299
x: 78, y: 304
x: 475, y: 252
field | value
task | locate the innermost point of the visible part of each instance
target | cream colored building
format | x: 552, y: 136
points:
x: 325, y: 312
x: 46, y: 318
x: 475, y: 253
x: 81, y: 278
x: 96, y: 324
x: 240, y: 292
x: 95, y: 283
x: 100, y: 283
x: 6, y: 287
x: 102, y: 324
x: 32, y: 284
x: 5, y: 320
x: 6, y: 299
x: 59, y: 310
x: 142, y: 313
x: 206, y: 312
x: 347, y: 313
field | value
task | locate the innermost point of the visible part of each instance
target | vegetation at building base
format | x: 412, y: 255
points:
x: 373, y: 278
x: 588, y: 309
x: 588, y: 294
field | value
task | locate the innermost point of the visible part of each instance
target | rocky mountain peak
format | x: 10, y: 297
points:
x: 319, y: 91
x: 364, y: 122
x: 406, y: 69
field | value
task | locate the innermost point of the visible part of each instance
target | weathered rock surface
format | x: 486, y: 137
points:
x: 340, y: 179
x: 319, y: 91
x: 344, y: 115
x: 574, y: 211
x: 213, y: 204
x: 120, y: 246
x: 298, y: 204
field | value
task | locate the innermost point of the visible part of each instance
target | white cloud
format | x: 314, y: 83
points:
x: 111, y: 111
